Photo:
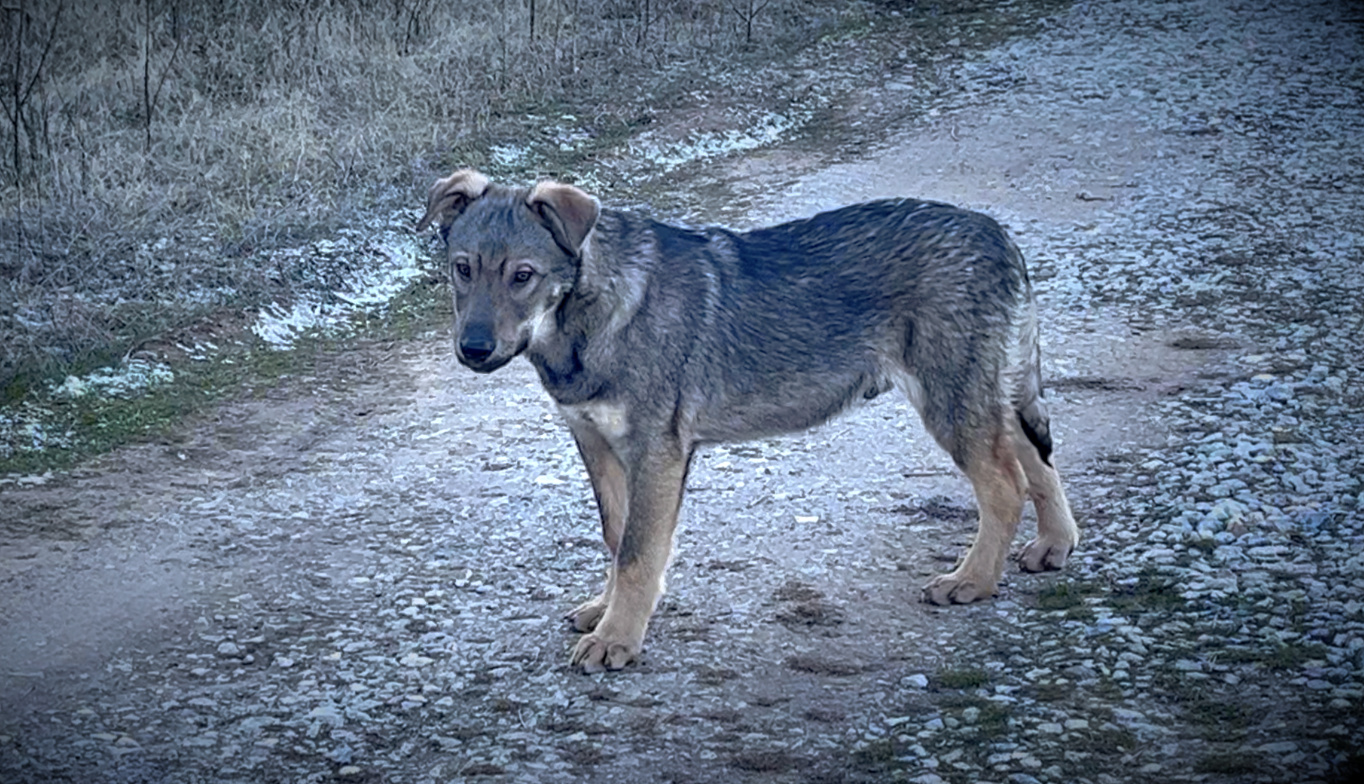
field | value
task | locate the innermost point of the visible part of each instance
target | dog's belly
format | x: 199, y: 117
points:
x: 781, y: 405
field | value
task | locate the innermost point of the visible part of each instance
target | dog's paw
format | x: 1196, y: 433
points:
x: 586, y: 616
x: 1040, y: 555
x: 957, y: 588
x: 597, y: 654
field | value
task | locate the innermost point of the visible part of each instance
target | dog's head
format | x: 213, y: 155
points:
x: 512, y: 256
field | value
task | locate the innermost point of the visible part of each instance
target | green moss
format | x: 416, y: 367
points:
x: 1204, y: 545
x: 961, y: 678
x: 1227, y: 764
x: 1293, y: 656
x: 1152, y: 591
x: 1288, y: 656
x: 1216, y: 718
x: 1081, y: 613
x: 1108, y: 689
x: 1049, y: 692
x: 1061, y: 596
x: 993, y: 718
x: 877, y: 754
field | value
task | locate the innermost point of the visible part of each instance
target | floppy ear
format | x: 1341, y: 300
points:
x: 451, y: 195
x: 567, y: 212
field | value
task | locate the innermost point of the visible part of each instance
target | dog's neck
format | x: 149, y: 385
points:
x: 605, y: 299
x: 560, y: 355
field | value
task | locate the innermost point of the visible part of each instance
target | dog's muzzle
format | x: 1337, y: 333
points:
x: 476, y: 346
x: 478, y: 349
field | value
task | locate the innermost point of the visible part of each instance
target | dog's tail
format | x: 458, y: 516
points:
x: 1037, y: 426
x: 1028, y: 403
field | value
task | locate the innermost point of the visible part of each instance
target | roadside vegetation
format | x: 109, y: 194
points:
x: 163, y: 162
x: 152, y: 149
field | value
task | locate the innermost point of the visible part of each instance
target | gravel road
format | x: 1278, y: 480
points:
x: 360, y: 575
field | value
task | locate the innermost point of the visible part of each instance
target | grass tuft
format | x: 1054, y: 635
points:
x: 961, y: 678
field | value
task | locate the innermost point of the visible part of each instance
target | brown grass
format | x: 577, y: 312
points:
x: 151, y: 147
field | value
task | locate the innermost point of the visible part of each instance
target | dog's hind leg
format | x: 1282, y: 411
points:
x: 608, y: 485
x: 655, y: 480
x: 1057, y: 533
x: 1001, y: 487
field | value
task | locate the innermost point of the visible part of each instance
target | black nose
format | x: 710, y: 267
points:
x: 477, y: 343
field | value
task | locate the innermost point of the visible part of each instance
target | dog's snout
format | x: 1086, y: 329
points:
x: 477, y: 343
x: 476, y: 353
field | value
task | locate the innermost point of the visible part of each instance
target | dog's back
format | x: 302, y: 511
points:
x: 780, y: 328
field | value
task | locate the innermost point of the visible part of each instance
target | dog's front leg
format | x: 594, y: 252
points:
x: 609, y: 486
x: 654, y: 483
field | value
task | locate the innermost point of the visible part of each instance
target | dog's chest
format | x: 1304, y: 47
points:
x: 609, y: 420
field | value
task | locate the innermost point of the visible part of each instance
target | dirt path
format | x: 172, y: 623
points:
x: 360, y: 575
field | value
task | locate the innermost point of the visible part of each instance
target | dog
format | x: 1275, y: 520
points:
x: 654, y: 340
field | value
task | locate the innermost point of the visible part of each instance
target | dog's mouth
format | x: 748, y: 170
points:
x: 486, y: 364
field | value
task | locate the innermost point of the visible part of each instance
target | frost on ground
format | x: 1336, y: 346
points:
x: 361, y: 578
x: 356, y: 280
x: 339, y: 280
x: 33, y: 426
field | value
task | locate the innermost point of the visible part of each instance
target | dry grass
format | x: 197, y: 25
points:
x: 150, y: 148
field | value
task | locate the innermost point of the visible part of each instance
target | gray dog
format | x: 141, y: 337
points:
x: 655, y: 339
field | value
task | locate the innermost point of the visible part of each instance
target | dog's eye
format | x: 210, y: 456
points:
x: 522, y: 276
x: 463, y: 270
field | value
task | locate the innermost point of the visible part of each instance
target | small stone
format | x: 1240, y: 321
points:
x: 229, y: 649
x: 415, y: 660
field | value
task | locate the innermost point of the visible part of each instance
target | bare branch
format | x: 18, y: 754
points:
x: 51, y: 39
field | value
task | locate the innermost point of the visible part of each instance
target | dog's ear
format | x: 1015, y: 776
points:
x: 567, y: 212
x: 451, y: 195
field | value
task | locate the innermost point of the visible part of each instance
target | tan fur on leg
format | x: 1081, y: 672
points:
x: 608, y: 485
x: 1000, y: 487
x: 643, y: 555
x: 1057, y: 533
